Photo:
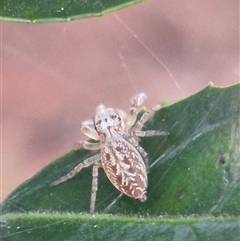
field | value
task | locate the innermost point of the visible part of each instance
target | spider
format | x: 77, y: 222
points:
x: 124, y: 161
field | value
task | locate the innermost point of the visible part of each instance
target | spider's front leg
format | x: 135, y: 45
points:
x: 137, y: 129
x: 87, y: 128
x: 136, y: 103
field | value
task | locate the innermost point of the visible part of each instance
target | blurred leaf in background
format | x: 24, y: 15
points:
x: 58, y: 10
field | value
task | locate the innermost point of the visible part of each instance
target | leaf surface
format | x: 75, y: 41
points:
x: 194, y: 181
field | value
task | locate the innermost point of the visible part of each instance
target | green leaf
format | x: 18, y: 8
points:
x: 194, y: 181
x: 58, y: 10
x: 41, y: 227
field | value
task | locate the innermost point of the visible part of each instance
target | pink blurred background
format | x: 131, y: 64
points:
x: 54, y: 75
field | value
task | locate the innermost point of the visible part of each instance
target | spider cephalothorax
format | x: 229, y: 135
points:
x: 108, y: 123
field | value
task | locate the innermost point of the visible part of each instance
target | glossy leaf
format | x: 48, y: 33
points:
x: 194, y: 171
x: 40, y: 227
x: 58, y: 10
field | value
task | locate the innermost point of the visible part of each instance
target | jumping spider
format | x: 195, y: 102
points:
x: 124, y: 161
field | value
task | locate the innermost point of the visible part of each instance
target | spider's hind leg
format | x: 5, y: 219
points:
x: 144, y: 156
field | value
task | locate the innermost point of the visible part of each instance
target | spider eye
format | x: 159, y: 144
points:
x: 95, y: 124
x: 116, y: 117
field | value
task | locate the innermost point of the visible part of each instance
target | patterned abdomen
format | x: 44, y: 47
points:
x: 125, y: 168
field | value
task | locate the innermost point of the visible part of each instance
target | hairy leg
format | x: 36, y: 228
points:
x: 86, y: 163
x: 87, y: 145
x: 146, y: 115
x: 136, y: 104
x: 94, y: 186
x: 87, y: 128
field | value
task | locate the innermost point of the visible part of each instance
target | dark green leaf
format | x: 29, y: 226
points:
x: 194, y: 171
x: 41, y: 227
x: 58, y: 10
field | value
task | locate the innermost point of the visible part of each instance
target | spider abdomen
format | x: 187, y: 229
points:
x: 125, y: 168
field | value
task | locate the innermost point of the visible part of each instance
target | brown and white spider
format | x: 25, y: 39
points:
x: 124, y: 161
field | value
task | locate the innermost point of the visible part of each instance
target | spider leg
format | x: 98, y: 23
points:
x: 136, y: 132
x: 150, y: 133
x: 144, y: 156
x: 87, y: 145
x: 136, y: 103
x: 86, y: 163
x: 87, y: 128
x: 94, y: 186
x: 139, y: 124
